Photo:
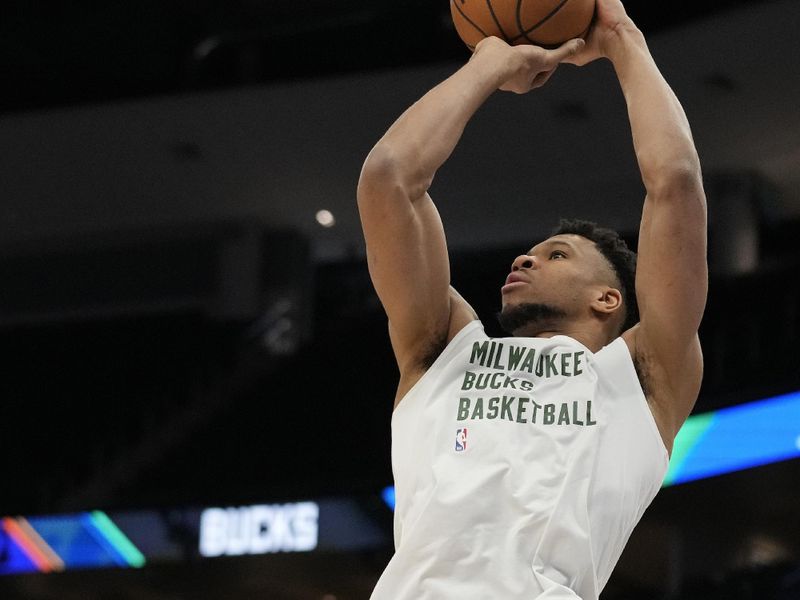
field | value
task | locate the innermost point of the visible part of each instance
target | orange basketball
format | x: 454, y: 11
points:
x: 547, y: 23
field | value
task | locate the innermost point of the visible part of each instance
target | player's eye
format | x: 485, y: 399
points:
x: 557, y: 254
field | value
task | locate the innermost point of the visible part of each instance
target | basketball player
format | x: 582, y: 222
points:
x: 522, y: 464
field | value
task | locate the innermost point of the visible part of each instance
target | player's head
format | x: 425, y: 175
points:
x: 581, y: 272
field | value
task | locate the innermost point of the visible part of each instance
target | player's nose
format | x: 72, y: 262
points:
x: 523, y: 261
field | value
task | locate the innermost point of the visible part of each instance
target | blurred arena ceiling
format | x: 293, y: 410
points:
x: 166, y: 113
x: 54, y: 53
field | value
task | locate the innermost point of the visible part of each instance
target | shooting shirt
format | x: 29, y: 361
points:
x: 521, y: 467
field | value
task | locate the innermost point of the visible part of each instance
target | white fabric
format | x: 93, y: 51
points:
x: 528, y: 508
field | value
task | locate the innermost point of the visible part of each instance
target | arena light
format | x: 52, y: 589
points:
x: 25, y: 549
x: 56, y: 543
x: 736, y: 438
x: 388, y: 496
x: 108, y: 534
x: 259, y: 529
x: 325, y: 218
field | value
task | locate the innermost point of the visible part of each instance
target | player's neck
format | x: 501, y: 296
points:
x: 590, y: 335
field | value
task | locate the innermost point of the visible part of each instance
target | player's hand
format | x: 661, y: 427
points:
x: 609, y: 18
x: 523, y: 68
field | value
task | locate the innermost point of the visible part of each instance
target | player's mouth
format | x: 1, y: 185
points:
x: 513, y: 281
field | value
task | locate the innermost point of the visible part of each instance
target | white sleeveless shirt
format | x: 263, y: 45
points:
x: 521, y: 467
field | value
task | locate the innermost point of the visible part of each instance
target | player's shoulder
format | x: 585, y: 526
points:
x: 461, y: 315
x: 671, y: 388
x: 666, y: 368
x: 414, y: 367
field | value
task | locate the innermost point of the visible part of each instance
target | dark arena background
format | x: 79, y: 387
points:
x: 197, y: 386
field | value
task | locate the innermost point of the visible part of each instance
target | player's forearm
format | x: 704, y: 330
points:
x: 662, y: 138
x: 422, y: 139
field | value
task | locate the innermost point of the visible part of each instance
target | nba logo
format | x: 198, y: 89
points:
x: 461, y: 440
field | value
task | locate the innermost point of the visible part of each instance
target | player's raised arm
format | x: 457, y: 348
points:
x: 406, y: 249
x: 672, y: 271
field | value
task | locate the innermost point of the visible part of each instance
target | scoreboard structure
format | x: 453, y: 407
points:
x: 134, y: 539
x: 730, y: 439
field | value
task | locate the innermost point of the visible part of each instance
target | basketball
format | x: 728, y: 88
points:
x: 546, y: 23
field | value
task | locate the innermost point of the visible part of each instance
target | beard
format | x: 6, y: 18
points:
x: 532, y: 317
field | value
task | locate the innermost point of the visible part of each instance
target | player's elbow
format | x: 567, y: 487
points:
x: 379, y: 182
x: 678, y: 180
x: 387, y: 174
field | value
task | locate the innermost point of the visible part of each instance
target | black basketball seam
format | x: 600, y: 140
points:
x: 583, y: 33
x: 496, y: 20
x: 524, y: 32
x: 470, y: 21
x: 591, y: 22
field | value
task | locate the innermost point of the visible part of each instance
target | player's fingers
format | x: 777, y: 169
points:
x: 565, y: 51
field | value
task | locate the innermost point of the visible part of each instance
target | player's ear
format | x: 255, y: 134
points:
x: 607, y: 300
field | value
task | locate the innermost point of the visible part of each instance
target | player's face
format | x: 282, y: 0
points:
x: 559, y: 272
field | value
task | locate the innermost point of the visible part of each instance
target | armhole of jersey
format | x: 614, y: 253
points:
x: 633, y: 378
x: 440, y: 362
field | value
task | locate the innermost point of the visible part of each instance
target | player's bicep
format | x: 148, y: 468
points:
x: 408, y: 265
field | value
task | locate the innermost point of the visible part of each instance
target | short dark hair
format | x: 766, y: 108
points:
x: 617, y: 253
